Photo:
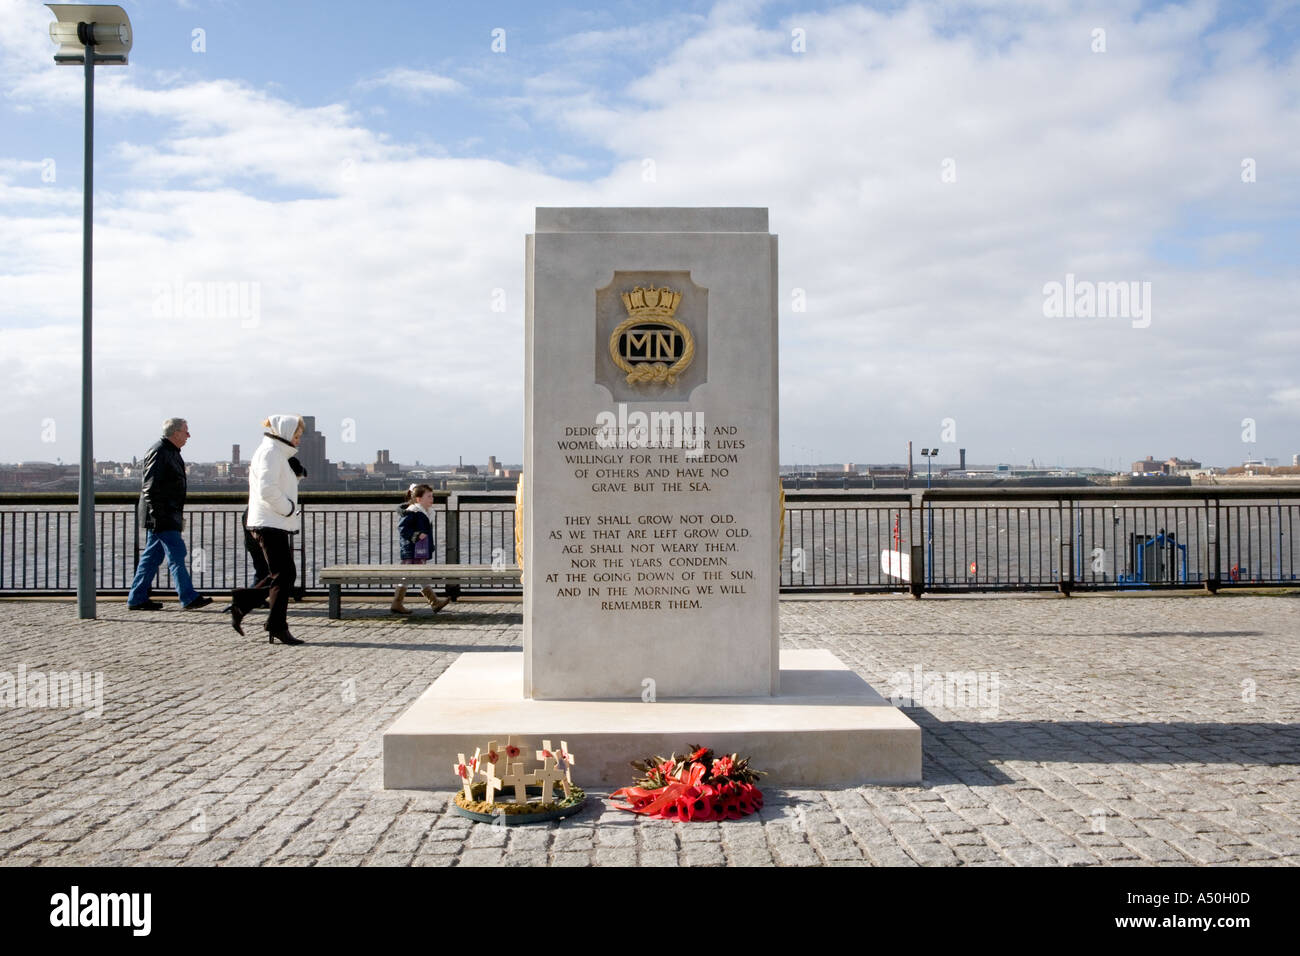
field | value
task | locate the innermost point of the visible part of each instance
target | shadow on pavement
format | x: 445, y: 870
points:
x: 968, y: 751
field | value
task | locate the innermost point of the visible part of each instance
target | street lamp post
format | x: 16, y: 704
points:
x: 88, y: 34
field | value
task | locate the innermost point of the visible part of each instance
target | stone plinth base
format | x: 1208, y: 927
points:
x: 827, y: 728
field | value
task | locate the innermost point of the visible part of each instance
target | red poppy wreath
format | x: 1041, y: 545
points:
x: 698, y: 786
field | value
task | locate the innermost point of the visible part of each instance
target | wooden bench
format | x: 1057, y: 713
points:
x: 412, y: 575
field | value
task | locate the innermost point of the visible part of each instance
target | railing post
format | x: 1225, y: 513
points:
x: 916, y: 577
x: 453, y: 540
x: 304, y: 581
x: 1065, y: 562
x: 1212, y: 566
x: 453, y: 529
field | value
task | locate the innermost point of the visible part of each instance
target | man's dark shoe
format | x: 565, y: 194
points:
x: 146, y: 606
x: 198, y: 602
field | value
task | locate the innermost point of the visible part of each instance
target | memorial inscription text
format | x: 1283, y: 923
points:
x: 651, y: 554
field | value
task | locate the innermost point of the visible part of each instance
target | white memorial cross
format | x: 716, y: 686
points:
x: 487, y: 769
x: 564, y: 757
x: 466, y: 773
x: 515, y: 777
x: 549, y: 774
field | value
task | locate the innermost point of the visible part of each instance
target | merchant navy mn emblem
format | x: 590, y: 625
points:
x: 650, y: 346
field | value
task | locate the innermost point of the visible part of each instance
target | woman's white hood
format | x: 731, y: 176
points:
x: 284, y: 425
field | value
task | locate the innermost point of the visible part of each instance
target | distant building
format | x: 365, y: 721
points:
x: 383, y: 465
x: 1170, y: 466
x: 234, y: 453
x: 39, y: 475
x: 311, y: 452
x: 464, y: 469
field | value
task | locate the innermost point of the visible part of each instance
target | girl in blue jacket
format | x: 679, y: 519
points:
x: 415, y: 537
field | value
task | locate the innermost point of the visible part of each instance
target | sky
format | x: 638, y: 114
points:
x: 321, y: 209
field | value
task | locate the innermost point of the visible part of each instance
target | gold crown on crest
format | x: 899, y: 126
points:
x: 651, y: 302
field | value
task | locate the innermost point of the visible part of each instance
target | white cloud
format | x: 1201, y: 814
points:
x: 377, y: 261
x: 415, y: 83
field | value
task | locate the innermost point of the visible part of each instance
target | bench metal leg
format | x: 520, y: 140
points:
x: 336, y: 601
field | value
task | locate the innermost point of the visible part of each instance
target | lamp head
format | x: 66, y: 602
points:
x: 106, y: 26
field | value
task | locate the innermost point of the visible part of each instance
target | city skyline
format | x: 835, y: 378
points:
x: 1055, y: 234
x: 1111, y: 464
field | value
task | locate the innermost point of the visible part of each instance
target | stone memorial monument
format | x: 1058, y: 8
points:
x: 650, y: 454
x: 651, y: 525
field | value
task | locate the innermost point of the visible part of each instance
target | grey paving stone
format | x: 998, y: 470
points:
x: 1112, y: 854
x: 485, y: 835
x: 573, y: 841
x: 664, y: 858
x: 796, y: 854
x: 689, y: 833
x: 354, y: 844
x: 982, y: 853
x: 888, y: 854
x: 1027, y: 856
x: 531, y: 838
x: 17, y: 838
x: 838, y: 851
x: 614, y: 856
x: 399, y: 842
x: 1074, y: 856
x: 1157, y: 851
x: 615, y: 837
x: 483, y: 857
x: 440, y: 852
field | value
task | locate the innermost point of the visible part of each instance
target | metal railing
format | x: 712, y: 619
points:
x: 1004, y: 539
x: 954, y: 540
x: 39, y: 539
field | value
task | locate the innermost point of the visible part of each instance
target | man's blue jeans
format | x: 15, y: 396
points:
x: 156, y: 544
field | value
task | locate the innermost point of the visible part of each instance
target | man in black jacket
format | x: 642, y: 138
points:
x: 162, y: 497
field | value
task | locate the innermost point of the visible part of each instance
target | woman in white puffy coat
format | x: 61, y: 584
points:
x: 272, y: 514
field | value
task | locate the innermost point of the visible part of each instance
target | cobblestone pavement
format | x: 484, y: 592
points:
x: 1125, y: 731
